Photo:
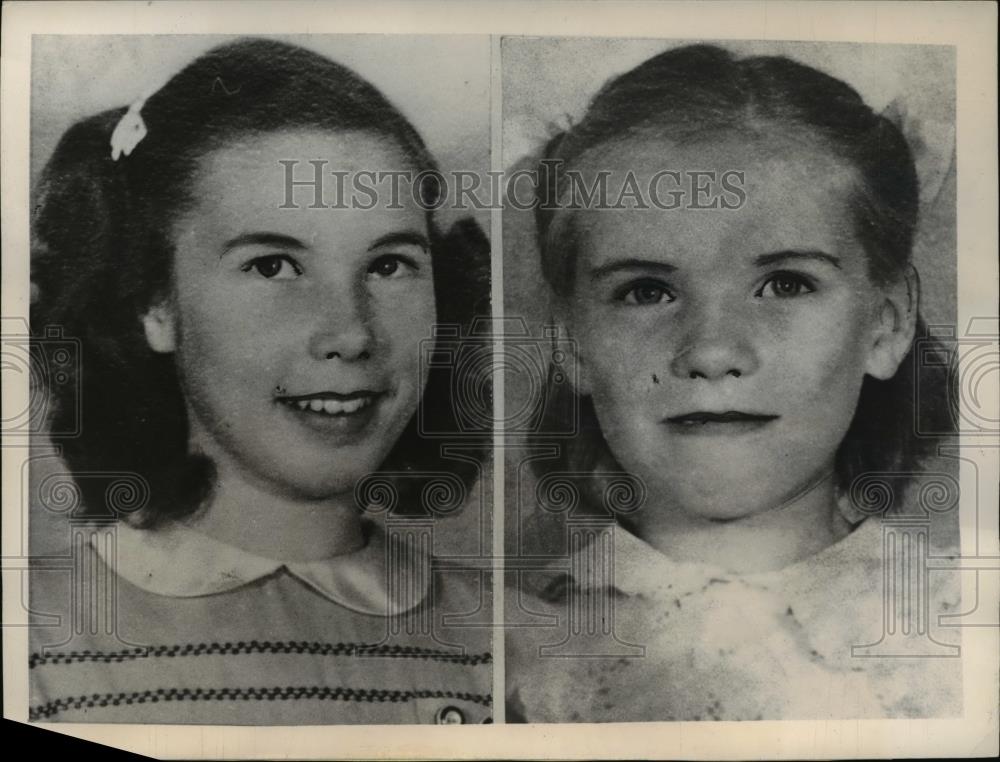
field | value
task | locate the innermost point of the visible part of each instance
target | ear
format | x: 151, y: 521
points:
x: 562, y: 310
x: 160, y: 328
x: 895, y: 325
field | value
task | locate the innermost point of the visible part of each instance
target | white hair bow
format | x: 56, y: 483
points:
x: 130, y: 130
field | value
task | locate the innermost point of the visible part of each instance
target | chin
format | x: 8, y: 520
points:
x: 320, y: 481
x: 719, y: 500
x: 715, y: 512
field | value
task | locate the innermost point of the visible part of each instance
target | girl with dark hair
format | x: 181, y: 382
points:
x: 254, y: 364
x: 746, y: 355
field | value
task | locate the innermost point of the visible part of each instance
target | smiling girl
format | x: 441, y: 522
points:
x: 250, y: 365
x: 747, y: 365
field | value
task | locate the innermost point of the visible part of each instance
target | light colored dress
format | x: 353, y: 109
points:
x: 851, y: 632
x: 171, y: 626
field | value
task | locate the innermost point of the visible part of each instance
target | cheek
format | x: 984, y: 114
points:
x: 622, y: 341
x: 619, y: 360
x: 406, y: 319
x: 228, y: 341
x: 201, y: 331
x: 824, y: 359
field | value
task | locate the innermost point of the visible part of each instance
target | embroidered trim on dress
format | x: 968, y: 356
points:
x: 288, y: 693
x: 260, y: 646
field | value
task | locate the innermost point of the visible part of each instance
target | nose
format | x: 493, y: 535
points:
x: 344, y: 331
x: 715, y: 346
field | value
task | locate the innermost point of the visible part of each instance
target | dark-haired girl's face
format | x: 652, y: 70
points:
x: 724, y: 348
x: 296, y: 330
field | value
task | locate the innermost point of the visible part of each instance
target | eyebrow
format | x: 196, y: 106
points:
x: 401, y: 239
x: 263, y: 239
x: 280, y: 240
x: 630, y: 264
x: 796, y: 254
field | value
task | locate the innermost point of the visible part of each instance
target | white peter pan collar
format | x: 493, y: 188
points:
x: 180, y: 562
x: 635, y: 567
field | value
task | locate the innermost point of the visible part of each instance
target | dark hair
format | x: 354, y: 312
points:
x: 102, y: 254
x: 690, y: 93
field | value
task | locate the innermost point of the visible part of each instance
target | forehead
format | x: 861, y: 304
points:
x: 794, y: 195
x: 246, y: 183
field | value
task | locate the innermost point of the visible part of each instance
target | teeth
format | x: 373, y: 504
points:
x: 333, y: 407
x: 352, y: 406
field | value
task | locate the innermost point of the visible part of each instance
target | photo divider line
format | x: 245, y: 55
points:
x: 497, y: 311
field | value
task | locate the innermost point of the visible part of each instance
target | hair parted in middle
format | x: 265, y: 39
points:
x: 696, y: 93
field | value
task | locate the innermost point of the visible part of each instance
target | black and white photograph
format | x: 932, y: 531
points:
x: 565, y: 379
x: 738, y: 254
x: 255, y: 464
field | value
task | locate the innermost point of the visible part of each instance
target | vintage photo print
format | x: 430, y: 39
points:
x: 738, y: 259
x: 255, y: 487
x: 599, y: 379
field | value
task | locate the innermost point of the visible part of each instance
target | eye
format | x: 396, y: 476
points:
x: 784, y: 285
x: 274, y: 267
x: 392, y: 266
x: 644, y: 292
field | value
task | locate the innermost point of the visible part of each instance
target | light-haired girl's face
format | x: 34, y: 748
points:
x: 296, y: 330
x: 724, y: 349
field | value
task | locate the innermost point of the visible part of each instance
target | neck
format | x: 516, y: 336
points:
x: 767, y: 540
x: 275, y: 525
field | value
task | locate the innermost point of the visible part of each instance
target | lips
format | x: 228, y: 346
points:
x: 331, y: 403
x: 710, y: 422
x: 334, y: 413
